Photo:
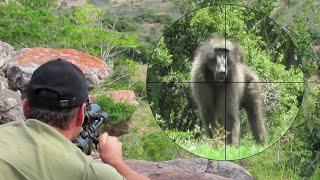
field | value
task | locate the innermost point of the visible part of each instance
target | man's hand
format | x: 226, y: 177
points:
x: 110, y: 149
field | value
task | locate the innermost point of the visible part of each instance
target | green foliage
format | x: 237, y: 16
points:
x: 316, y: 174
x: 271, y: 164
x: 86, y: 33
x: 86, y: 15
x: 304, y: 158
x: 158, y: 148
x: 125, y: 67
x: 127, y: 75
x: 303, y: 153
x: 22, y: 26
x: 35, y: 4
x: 215, y: 148
x: 172, y: 58
x: 153, y: 147
x: 132, y: 147
x: 80, y: 29
x: 118, y: 111
x: 171, y: 61
x: 121, y: 24
x: 151, y: 17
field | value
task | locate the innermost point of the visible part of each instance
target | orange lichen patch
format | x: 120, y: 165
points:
x: 30, y: 57
x: 124, y: 95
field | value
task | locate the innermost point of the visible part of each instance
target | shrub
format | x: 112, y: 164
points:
x: 118, y: 111
x: 120, y: 25
x: 151, y: 17
x: 158, y: 147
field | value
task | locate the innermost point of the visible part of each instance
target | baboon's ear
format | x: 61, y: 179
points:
x: 237, y: 54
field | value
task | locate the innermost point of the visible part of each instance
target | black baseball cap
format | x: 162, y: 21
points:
x: 57, y: 84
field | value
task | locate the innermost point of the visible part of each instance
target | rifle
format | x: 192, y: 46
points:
x: 93, y: 120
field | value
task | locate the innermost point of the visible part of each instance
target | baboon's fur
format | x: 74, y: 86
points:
x: 219, y: 100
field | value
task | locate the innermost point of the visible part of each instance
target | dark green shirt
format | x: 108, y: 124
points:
x: 36, y: 151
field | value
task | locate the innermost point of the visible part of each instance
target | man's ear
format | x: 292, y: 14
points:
x: 25, y: 108
x: 80, y: 115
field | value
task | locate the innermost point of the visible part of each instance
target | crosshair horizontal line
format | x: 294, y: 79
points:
x: 283, y: 82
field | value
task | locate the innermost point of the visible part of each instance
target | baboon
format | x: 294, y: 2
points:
x: 221, y: 84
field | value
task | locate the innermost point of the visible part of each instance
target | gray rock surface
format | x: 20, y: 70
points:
x: 6, y: 52
x: 156, y: 171
x: 193, y: 168
x: 25, y: 61
x: 3, y: 83
x: 221, y: 168
x: 230, y: 170
x: 10, y: 104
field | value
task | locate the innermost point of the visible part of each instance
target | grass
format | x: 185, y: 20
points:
x: 146, y: 140
x: 142, y: 121
x: 217, y: 150
x: 271, y: 164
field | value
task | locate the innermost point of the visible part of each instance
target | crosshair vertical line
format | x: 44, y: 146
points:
x: 225, y: 84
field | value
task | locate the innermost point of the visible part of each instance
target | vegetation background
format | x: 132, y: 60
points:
x: 123, y: 33
x: 267, y: 50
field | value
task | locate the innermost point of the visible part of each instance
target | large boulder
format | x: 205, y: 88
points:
x: 10, y: 103
x: 193, y: 168
x: 6, y: 52
x: 25, y: 61
x: 126, y: 96
x: 222, y: 168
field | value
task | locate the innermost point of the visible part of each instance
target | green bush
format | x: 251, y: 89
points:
x: 132, y: 147
x: 158, y: 147
x: 118, y: 111
x: 122, y: 77
x: 316, y: 174
x: 154, y: 147
x: 125, y: 68
x: 78, y: 29
x: 127, y: 75
x: 151, y: 17
x: 120, y: 25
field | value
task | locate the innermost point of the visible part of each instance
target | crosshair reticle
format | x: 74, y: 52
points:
x: 225, y: 82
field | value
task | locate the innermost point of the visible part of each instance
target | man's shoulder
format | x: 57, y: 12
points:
x: 29, y: 143
x: 11, y: 124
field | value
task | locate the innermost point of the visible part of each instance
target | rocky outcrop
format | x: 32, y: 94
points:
x: 125, y: 96
x: 194, y: 168
x: 222, y: 168
x: 10, y: 103
x: 25, y: 61
x: 6, y: 52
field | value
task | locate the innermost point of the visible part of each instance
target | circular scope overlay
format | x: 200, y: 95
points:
x: 225, y: 82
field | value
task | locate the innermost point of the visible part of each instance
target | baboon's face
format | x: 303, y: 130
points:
x: 217, y: 64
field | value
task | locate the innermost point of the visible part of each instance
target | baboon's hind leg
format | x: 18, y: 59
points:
x: 253, y: 106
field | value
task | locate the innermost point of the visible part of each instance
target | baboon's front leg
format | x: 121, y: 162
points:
x: 233, y: 128
x: 207, y: 117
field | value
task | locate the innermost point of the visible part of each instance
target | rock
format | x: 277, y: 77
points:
x: 222, y: 168
x: 25, y: 61
x: 6, y: 51
x: 193, y: 168
x: 10, y: 103
x: 3, y: 83
x: 124, y: 95
x: 165, y: 170
x: 230, y: 170
x: 194, y: 164
x: 10, y: 106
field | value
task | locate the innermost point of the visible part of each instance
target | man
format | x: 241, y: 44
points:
x: 40, y: 148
